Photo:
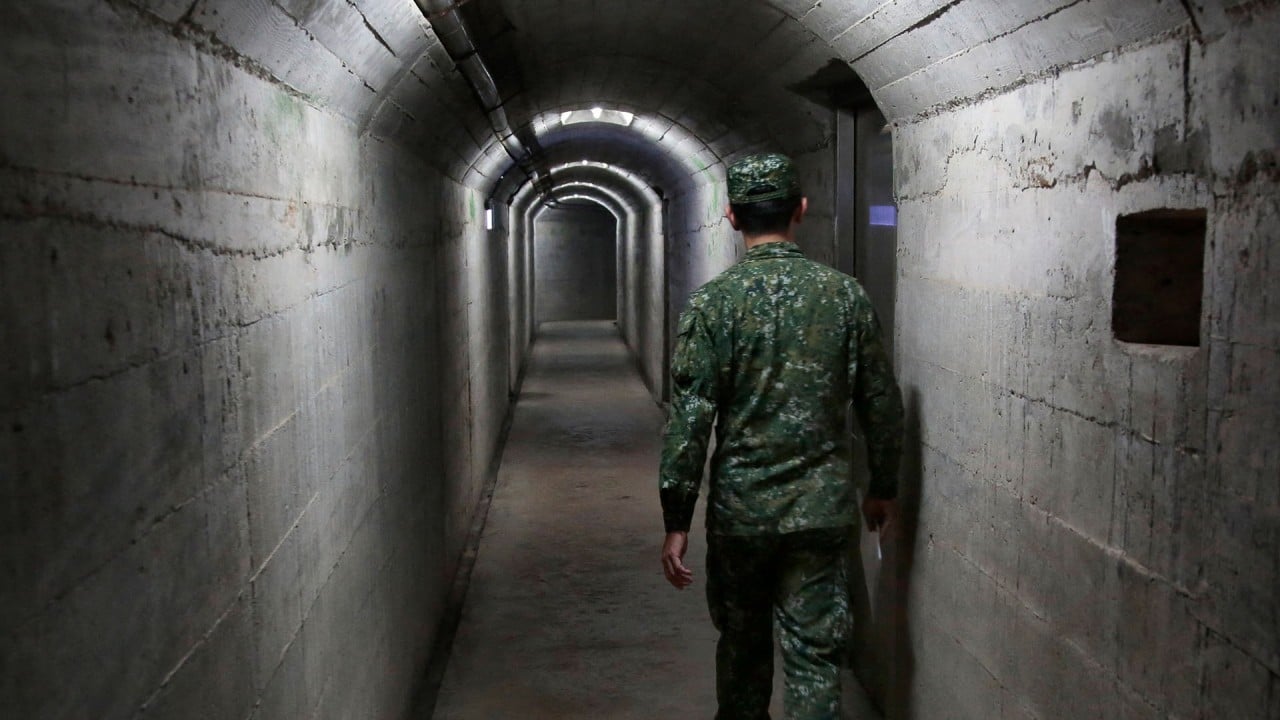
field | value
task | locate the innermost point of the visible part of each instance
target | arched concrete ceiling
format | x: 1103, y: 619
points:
x: 656, y: 163
x: 633, y: 200
x: 612, y: 176
x: 597, y: 194
x: 583, y: 196
x: 733, y: 73
x: 625, y: 210
x: 624, y: 187
x: 729, y: 72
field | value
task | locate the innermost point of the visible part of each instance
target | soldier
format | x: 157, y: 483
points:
x: 776, y: 346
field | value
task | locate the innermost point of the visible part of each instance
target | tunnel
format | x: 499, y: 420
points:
x: 321, y: 319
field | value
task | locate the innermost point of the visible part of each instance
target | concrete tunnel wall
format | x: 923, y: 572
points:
x: 259, y: 344
x: 1097, y: 524
x: 644, y: 292
x: 258, y: 383
x: 576, y: 263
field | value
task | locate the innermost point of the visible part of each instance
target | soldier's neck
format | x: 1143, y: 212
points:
x: 752, y: 241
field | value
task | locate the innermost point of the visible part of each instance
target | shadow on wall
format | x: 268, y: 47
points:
x: 880, y: 647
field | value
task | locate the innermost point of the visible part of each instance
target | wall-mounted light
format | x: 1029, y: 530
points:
x: 488, y: 214
x: 596, y: 112
x: 883, y: 215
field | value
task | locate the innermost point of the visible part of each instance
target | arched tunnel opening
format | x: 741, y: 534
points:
x: 308, y: 306
x: 576, y: 261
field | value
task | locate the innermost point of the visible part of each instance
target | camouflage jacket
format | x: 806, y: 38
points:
x: 777, y: 346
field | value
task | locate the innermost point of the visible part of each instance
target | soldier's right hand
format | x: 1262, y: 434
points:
x: 673, y: 550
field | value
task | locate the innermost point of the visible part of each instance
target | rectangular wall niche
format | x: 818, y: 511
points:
x: 1159, y: 277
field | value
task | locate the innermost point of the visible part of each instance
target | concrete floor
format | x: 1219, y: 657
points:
x: 568, y: 615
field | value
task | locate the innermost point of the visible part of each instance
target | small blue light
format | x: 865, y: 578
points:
x: 884, y: 215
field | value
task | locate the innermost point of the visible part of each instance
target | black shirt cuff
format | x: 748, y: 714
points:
x: 677, y: 510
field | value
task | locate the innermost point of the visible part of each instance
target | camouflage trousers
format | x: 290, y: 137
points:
x: 798, y: 581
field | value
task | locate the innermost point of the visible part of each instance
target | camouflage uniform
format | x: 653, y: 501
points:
x: 776, y: 347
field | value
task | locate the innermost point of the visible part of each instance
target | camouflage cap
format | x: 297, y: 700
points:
x: 756, y: 178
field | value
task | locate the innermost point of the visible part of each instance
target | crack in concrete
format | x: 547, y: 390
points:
x: 1267, y: 662
x: 159, y: 357
x: 191, y: 11
x: 377, y: 498
x: 863, y: 19
x: 186, y: 658
x: 387, y: 95
x: 947, y: 106
x: 401, y: 110
x: 1145, y: 171
x: 224, y: 475
x: 44, y: 209
x: 1114, y: 425
x: 1040, y: 180
x: 297, y: 22
x: 39, y: 174
x: 210, y: 44
x: 1131, y: 433
x: 970, y: 48
x: 787, y: 15
x: 1110, y: 551
x: 921, y: 23
x: 372, y: 30
x: 80, y: 580
x: 1191, y: 15
x: 1186, y: 85
x: 1247, y: 8
x: 91, y: 220
x: 945, y: 173
x: 1115, y: 554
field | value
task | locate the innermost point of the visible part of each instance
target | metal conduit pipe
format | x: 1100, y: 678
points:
x: 454, y: 36
x: 473, y: 69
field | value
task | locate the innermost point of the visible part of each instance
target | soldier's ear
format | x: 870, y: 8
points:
x: 733, y: 219
x: 801, y: 209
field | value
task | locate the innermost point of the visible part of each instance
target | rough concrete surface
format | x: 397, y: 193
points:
x: 225, y: 491
x: 1082, y: 536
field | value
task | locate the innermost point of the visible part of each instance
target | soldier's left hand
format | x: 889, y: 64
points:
x: 879, y: 514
